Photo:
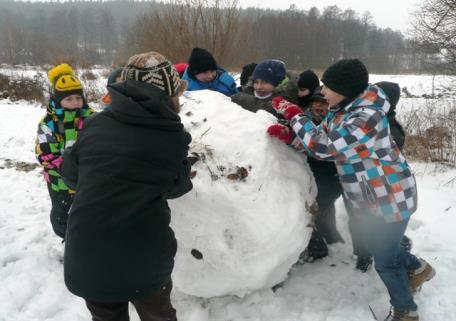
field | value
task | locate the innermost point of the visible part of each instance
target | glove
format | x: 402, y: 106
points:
x: 282, y: 132
x: 287, y: 135
x: 285, y: 108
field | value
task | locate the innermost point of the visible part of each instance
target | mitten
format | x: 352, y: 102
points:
x: 282, y: 132
x: 287, y: 135
x: 285, y: 108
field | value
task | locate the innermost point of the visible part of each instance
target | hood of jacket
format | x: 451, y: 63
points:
x: 142, y: 104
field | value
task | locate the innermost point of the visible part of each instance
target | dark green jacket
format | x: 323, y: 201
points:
x: 127, y: 162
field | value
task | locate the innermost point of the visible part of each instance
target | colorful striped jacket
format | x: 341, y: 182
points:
x: 374, y: 174
x: 57, y: 130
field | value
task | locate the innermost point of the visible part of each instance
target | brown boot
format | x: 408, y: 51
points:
x: 421, y: 275
x: 398, y: 315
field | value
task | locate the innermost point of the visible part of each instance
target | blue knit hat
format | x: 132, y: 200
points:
x: 271, y: 70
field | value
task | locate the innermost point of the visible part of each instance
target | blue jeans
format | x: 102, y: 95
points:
x: 392, y: 261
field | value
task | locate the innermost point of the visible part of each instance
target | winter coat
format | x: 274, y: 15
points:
x: 397, y: 131
x: 127, y: 163
x: 375, y: 176
x: 58, y: 130
x: 223, y: 83
x: 247, y: 100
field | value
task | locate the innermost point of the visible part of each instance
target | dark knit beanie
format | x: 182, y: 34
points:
x: 347, y: 77
x: 392, y: 91
x: 64, y: 82
x: 272, y: 71
x: 247, y: 71
x: 308, y: 80
x: 317, y: 95
x: 113, y: 75
x: 153, y: 68
x: 200, y: 61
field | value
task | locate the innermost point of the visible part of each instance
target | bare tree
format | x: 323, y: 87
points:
x: 434, y: 28
x: 12, y: 36
x: 180, y: 25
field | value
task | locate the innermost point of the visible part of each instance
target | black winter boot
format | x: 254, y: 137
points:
x: 317, y: 248
x: 363, y: 263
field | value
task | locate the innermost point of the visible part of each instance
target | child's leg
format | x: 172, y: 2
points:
x: 108, y: 311
x: 61, y: 203
x: 383, y: 240
x: 157, y: 306
x: 355, y: 226
x: 325, y: 221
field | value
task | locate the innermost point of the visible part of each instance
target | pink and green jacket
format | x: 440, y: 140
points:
x: 58, y: 130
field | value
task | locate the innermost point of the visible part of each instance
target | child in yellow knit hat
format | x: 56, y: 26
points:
x: 58, y: 130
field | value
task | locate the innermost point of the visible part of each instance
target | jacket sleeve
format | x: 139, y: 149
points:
x: 69, y: 169
x: 251, y: 103
x: 231, y: 84
x: 47, y: 148
x: 350, y: 140
x: 182, y: 183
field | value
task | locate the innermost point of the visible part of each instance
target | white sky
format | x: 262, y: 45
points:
x: 386, y: 13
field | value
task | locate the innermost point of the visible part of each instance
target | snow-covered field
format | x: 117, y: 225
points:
x: 31, y: 272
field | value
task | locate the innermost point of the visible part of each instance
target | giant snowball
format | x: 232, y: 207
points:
x: 246, y: 221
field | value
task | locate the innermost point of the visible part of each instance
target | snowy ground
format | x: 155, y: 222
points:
x: 31, y: 276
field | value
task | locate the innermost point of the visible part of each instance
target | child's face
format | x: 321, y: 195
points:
x: 303, y: 92
x: 262, y: 88
x: 206, y: 76
x: 320, y: 107
x: 72, y: 102
x: 331, y: 97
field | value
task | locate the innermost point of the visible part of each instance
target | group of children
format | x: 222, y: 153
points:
x: 347, y: 127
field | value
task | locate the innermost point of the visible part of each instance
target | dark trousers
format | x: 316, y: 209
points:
x: 325, y: 220
x: 61, y: 204
x: 155, y: 307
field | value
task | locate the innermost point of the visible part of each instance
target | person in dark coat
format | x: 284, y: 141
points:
x: 327, y: 180
x: 128, y: 162
x: 393, y: 92
x: 246, y: 74
x: 308, y: 83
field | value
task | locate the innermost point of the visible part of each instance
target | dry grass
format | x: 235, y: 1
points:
x: 431, y: 132
x: 23, y: 88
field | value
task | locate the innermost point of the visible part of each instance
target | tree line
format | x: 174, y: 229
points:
x: 108, y: 32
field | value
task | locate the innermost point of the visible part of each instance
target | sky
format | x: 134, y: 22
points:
x: 387, y: 13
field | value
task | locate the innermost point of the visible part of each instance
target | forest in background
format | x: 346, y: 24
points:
x: 87, y: 33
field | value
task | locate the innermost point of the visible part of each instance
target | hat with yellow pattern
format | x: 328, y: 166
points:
x: 64, y: 82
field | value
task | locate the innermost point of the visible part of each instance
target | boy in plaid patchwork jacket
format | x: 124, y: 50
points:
x: 58, y: 130
x: 375, y: 176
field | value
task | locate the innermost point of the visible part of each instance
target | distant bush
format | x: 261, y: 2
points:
x: 431, y: 132
x: 23, y: 88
